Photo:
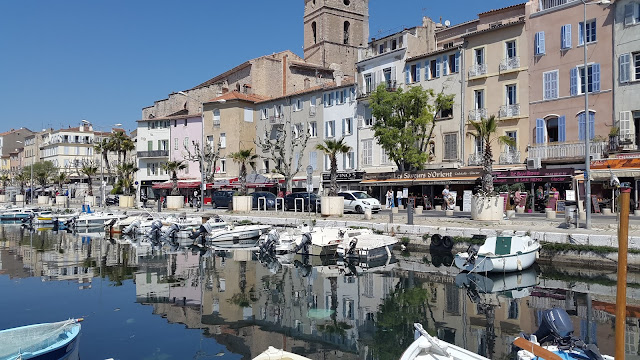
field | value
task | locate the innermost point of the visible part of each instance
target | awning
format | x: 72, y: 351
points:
x: 184, y: 184
x: 416, y: 182
x: 620, y: 173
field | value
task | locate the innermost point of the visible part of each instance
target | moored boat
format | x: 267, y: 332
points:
x: 57, y: 340
x: 364, y: 245
x: 499, y: 254
x: 427, y: 347
x: 276, y: 354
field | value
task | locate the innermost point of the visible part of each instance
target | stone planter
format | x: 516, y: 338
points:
x: 519, y: 209
x: 126, y: 201
x: 3, y: 198
x: 90, y: 200
x: 242, y: 203
x: 486, y: 208
x: 448, y: 212
x: 332, y: 205
x: 43, y: 200
x: 175, y: 202
x: 606, y: 211
x: 61, y: 201
x: 456, y: 208
x: 583, y: 215
x: 20, y: 198
x: 551, y: 214
x: 511, y: 214
x: 394, y: 210
x: 367, y: 214
x: 635, y: 212
x: 419, y: 210
x: 438, y: 207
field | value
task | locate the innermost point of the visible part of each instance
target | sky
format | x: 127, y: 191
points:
x: 103, y: 61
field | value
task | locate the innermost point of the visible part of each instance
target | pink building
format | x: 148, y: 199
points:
x: 185, y: 131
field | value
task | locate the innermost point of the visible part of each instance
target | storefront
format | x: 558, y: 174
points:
x: 535, y: 182
x: 347, y: 180
x: 625, y: 167
x: 424, y: 187
x: 146, y: 187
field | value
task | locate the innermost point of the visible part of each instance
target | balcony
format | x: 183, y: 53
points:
x: 153, y: 154
x: 477, y: 114
x: 477, y: 70
x: 557, y: 151
x: 618, y: 143
x: 276, y: 120
x: 365, y: 91
x: 507, y: 111
x: 475, y: 159
x: 510, y: 157
x: 216, y: 123
x: 548, y: 4
x: 511, y: 63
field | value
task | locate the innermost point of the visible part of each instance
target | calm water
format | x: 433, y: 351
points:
x: 140, y: 303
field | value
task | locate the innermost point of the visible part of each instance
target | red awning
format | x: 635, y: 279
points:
x: 181, y: 185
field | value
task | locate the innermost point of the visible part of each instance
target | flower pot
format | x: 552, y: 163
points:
x: 90, y: 200
x: 61, y: 200
x: 175, y: 202
x: 332, y: 205
x: 242, y: 203
x: 551, y: 214
x: 486, y: 208
x: 43, y: 200
x: 20, y: 198
x: 3, y: 198
x: 126, y: 201
x: 529, y: 211
x: 519, y: 209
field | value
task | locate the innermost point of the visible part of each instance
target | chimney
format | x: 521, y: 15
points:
x: 284, y: 75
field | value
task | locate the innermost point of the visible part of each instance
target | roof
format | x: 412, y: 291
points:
x: 176, y: 117
x: 435, y: 52
x: 309, y: 65
x: 14, y: 131
x: 496, y: 27
x: 502, y: 9
x: 327, y: 86
x: 234, y: 95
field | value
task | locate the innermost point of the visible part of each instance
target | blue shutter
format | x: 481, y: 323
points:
x: 539, y: 131
x: 445, y: 65
x: 326, y: 129
x: 563, y: 37
x: 581, y: 128
x: 592, y: 125
x: 581, y: 34
x: 438, y: 67
x: 595, y: 75
x: 344, y: 126
x: 418, y: 72
x: 574, y: 82
x: 539, y: 40
x: 407, y: 79
x: 566, y: 36
x: 562, y: 129
x: 457, y: 62
x: 628, y: 14
x: 623, y: 72
x: 427, y: 70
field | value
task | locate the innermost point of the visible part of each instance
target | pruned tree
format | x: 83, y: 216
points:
x: 279, y: 144
x: 206, y: 157
x: 405, y: 123
x: 43, y: 172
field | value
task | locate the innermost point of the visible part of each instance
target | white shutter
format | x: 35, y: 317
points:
x: 625, y: 124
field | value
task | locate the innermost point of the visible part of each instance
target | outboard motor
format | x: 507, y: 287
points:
x: 268, y: 245
x: 201, y: 233
x: 472, y: 250
x: 171, y: 233
x: 71, y: 222
x: 132, y: 228
x: 352, y: 246
x: 154, y: 234
x: 304, y: 244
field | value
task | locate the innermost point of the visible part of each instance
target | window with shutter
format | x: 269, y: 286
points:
x: 629, y: 18
x: 624, y: 68
x: 445, y: 65
x: 574, y: 82
x: 540, y: 131
x: 539, y: 43
x: 581, y: 128
x: 566, y: 36
x: 457, y: 62
x: 592, y: 125
x: 562, y: 129
x: 624, y: 124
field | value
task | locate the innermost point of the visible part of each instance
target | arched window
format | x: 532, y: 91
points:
x: 551, y: 129
x: 581, y: 125
x: 315, y: 35
x: 346, y: 32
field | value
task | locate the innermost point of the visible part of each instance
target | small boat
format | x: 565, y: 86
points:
x: 57, y: 340
x: 427, y: 347
x: 218, y: 234
x: 514, y: 285
x: 499, y: 254
x: 94, y: 219
x: 364, y: 245
x: 276, y: 354
x: 18, y: 213
x: 319, y: 241
x: 142, y: 223
x: 555, y: 336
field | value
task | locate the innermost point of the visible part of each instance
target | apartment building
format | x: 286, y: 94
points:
x: 185, y: 131
x: 10, y: 141
x: 68, y: 148
x: 152, y: 150
x: 558, y: 81
x: 497, y: 83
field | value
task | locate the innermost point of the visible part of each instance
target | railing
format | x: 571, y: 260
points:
x: 509, y: 110
x: 475, y: 159
x: 390, y: 85
x: 510, y: 157
x: 477, y: 70
x: 548, y: 4
x: 216, y: 122
x: 477, y: 114
x: 566, y: 150
x: 276, y: 120
x: 154, y: 153
x: 510, y: 63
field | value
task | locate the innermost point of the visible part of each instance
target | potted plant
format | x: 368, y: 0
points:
x: 89, y: 169
x: 61, y: 179
x: 244, y: 158
x: 126, y: 184
x: 333, y: 204
x: 486, y: 205
x: 4, y: 179
x: 22, y: 179
x: 175, y: 200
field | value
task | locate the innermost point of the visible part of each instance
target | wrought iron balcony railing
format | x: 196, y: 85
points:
x: 477, y: 70
x: 510, y: 63
x: 477, y: 114
x: 509, y: 110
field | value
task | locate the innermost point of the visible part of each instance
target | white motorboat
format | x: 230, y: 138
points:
x: 220, y: 235
x: 142, y: 223
x: 364, y: 245
x: 319, y: 241
x: 499, y: 254
x: 514, y: 285
x: 94, y: 220
x: 427, y: 347
x: 276, y: 354
x: 18, y: 213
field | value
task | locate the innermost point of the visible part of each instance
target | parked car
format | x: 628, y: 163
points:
x: 290, y: 201
x: 359, y: 201
x: 221, y: 198
x: 270, y: 198
x: 112, y: 200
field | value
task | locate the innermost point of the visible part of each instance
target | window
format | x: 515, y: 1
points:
x: 185, y: 142
x: 539, y: 48
x: 248, y: 115
x: 347, y: 126
x: 479, y: 145
x: 636, y: 66
x: 388, y: 76
x: 175, y: 144
x: 415, y: 73
x: 592, y: 79
x: 298, y: 130
x: 478, y: 57
x: 313, y: 30
x: 264, y: 114
x: 328, y: 99
x: 624, y: 124
x: 550, y: 80
x: 216, y: 117
x: 581, y: 125
x: 210, y: 141
x: 313, y: 129
x: 327, y: 162
x: 368, y: 117
x: 223, y: 166
x: 149, y: 145
x: 313, y: 160
x: 340, y: 95
x: 277, y: 111
x: 478, y: 96
x: 381, y: 48
x: 510, y: 94
x: 454, y: 63
x: 629, y: 67
x: 312, y: 102
x: 345, y: 39
x: 432, y: 69
x: 223, y: 140
x: 394, y: 44
x: 510, y: 48
x: 513, y: 135
x: 266, y: 166
x: 551, y: 130
x: 368, y: 84
x: 591, y: 32
x: 450, y: 146
x: 349, y: 160
x: 565, y: 37
x: 367, y: 152
x: 384, y: 157
x: 631, y: 14
x: 297, y: 104
x: 330, y: 129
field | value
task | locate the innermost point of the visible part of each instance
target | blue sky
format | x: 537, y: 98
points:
x: 67, y: 60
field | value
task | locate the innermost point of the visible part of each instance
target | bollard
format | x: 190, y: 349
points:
x: 391, y: 217
x: 367, y: 214
x: 159, y: 205
x: 410, y: 212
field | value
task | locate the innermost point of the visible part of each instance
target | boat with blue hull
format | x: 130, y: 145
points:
x: 48, y: 341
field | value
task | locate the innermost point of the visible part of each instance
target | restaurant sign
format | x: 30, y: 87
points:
x: 345, y: 176
x: 426, y: 174
x: 533, y: 176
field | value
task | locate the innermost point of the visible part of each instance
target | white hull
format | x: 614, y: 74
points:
x: 515, y: 285
x: 368, y: 247
x: 242, y: 236
x: 523, y: 254
x: 427, y: 347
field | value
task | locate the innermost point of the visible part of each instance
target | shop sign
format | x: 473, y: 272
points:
x: 615, y: 163
x: 426, y: 174
x: 345, y: 176
x: 533, y: 176
x: 627, y: 156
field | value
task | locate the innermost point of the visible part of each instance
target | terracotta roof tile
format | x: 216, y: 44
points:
x: 234, y: 95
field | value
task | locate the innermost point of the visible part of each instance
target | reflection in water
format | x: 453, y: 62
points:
x: 325, y: 309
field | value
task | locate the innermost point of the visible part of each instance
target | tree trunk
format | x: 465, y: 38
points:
x: 487, y: 168
x: 174, y: 188
x: 333, y: 190
x: 288, y: 185
x: 243, y: 179
x: 90, y: 186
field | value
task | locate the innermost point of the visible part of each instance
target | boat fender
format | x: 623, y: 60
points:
x: 447, y: 242
x: 519, y: 265
x: 436, y: 240
x: 537, y: 255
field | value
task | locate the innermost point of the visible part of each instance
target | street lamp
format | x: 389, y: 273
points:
x: 587, y: 136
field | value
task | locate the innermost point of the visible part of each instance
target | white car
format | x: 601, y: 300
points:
x: 359, y: 201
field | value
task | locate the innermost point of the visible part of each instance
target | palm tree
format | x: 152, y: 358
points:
x: 484, y: 129
x: 89, y: 169
x: 244, y: 158
x: 4, y: 179
x: 61, y: 178
x: 103, y: 147
x: 125, y: 173
x: 173, y: 167
x: 126, y: 146
x: 22, y: 177
x: 116, y: 139
x: 332, y: 148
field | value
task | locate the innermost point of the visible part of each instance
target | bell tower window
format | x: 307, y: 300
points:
x: 315, y: 34
x: 346, y: 33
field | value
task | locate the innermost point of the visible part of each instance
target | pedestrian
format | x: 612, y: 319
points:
x: 399, y: 196
x: 389, y: 199
x: 446, y: 198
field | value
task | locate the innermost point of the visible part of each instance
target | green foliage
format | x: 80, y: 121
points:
x: 173, y: 167
x: 244, y: 158
x: 125, y: 172
x: 42, y: 172
x: 332, y: 148
x: 89, y: 169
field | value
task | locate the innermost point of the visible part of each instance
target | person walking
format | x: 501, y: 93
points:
x: 389, y: 199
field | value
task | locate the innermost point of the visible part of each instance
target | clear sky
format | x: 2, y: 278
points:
x: 62, y: 61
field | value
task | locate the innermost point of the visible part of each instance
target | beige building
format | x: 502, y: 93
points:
x: 495, y: 61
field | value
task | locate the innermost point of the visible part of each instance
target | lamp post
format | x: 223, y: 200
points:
x: 587, y: 136
x: 102, y: 183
